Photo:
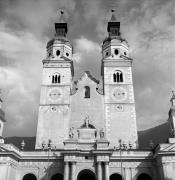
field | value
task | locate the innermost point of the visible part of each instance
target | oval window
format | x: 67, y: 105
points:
x: 107, y: 53
x: 67, y: 54
x: 125, y: 53
x: 58, y: 52
x: 116, y: 51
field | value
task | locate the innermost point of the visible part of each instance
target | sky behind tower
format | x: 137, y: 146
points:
x: 27, y: 25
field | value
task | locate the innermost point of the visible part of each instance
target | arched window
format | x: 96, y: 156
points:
x: 144, y: 176
x: 87, y: 92
x: 118, y: 76
x: 56, y: 78
x: 29, y: 177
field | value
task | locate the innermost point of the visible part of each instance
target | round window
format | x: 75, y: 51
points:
x: 107, y: 53
x: 116, y: 51
x: 67, y: 54
x: 58, y: 52
x: 125, y: 53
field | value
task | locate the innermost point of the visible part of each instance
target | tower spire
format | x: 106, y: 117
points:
x: 113, y: 26
x: 172, y: 100
x: 61, y: 27
x: 113, y: 18
x: 62, y: 18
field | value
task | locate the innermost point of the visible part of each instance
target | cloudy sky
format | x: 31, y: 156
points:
x: 27, y: 25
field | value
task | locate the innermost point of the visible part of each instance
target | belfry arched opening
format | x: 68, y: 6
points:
x: 86, y: 175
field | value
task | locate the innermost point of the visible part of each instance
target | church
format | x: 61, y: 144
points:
x: 87, y: 128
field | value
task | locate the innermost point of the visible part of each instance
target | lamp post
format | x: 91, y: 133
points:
x: 123, y: 147
x: 47, y: 147
x: 120, y: 150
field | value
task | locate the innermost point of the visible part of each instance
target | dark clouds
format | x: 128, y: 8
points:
x: 26, y: 26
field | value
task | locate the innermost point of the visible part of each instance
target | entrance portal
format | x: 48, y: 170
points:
x: 57, y: 177
x: 115, y: 177
x: 144, y: 177
x: 29, y: 177
x: 86, y: 175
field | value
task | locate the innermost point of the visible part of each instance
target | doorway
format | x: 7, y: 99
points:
x: 86, y: 175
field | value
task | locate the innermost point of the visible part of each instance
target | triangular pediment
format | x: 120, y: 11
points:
x: 87, y: 77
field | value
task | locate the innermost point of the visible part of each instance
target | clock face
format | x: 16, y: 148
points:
x: 54, y: 94
x: 119, y: 94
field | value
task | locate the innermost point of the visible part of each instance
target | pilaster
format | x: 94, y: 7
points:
x: 127, y: 173
x: 66, y: 170
x: 99, y: 170
x: 106, y: 170
x: 73, y: 169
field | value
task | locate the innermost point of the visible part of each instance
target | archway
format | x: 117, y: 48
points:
x: 86, y: 175
x: 57, y: 177
x: 115, y: 177
x: 29, y: 177
x: 144, y: 176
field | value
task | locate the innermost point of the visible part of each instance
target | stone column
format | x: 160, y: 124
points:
x: 73, y: 171
x: 128, y: 174
x: 133, y: 173
x: 99, y: 171
x: 66, y: 170
x: 106, y: 170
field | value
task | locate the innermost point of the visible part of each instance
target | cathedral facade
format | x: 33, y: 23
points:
x: 86, y: 128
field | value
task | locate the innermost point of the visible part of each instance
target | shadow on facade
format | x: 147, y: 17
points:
x: 52, y: 171
x: 148, y: 170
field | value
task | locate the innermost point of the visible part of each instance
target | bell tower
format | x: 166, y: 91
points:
x: 120, y: 115
x: 54, y: 108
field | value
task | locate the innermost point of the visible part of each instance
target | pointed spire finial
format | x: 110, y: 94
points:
x: 61, y: 27
x: 62, y: 18
x: 173, y: 98
x: 113, y: 18
x: 113, y: 26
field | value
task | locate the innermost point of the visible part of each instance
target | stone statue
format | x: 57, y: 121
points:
x: 102, y: 133
x: 86, y: 121
x: 71, y: 133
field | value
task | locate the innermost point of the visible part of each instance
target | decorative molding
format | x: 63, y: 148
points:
x: 102, y: 158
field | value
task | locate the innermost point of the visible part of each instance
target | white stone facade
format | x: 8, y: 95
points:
x: 86, y: 129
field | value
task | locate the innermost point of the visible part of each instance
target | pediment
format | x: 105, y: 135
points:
x: 87, y: 77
